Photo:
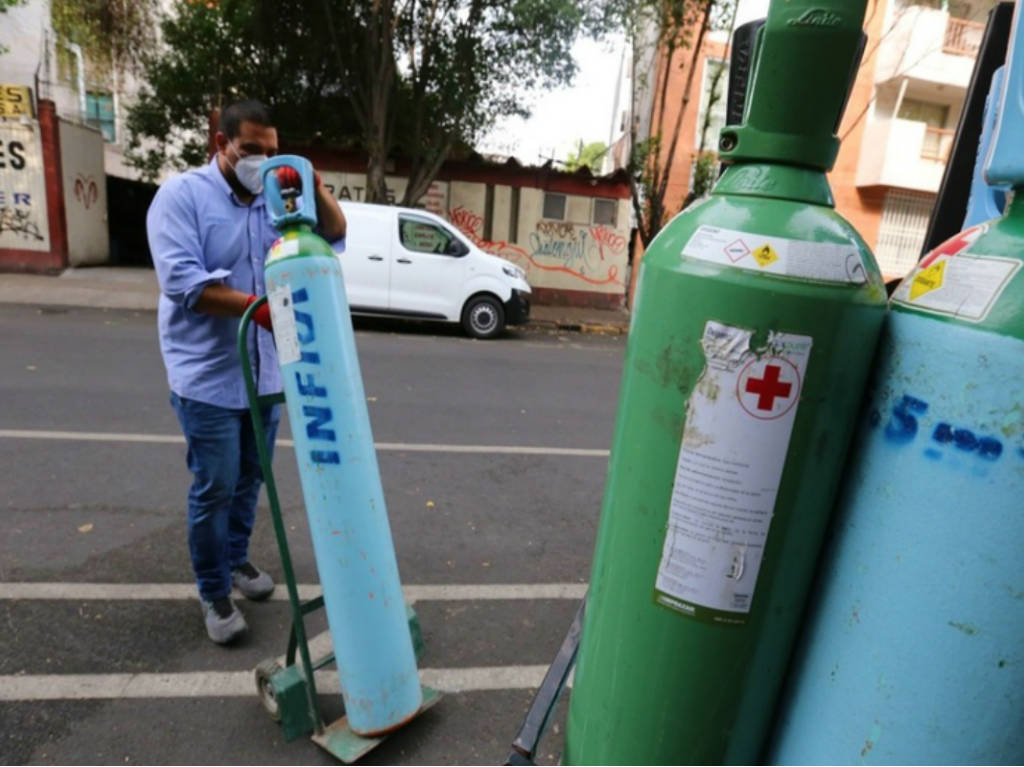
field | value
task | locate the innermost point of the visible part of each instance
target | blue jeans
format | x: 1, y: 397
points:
x: 225, y: 466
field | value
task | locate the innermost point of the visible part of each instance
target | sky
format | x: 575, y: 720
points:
x: 561, y: 117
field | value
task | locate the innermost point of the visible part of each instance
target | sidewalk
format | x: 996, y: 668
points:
x: 112, y: 287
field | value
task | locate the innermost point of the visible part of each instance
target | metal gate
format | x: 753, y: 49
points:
x: 902, y: 231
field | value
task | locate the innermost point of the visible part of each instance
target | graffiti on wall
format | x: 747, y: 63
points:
x: 86, y: 191
x: 590, y: 254
x: 20, y: 222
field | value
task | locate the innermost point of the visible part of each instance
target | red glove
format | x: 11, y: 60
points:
x: 262, y: 315
x: 289, y: 178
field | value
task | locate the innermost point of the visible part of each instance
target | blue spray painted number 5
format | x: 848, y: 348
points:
x: 902, y: 426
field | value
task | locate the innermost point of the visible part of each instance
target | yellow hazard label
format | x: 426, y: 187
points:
x: 927, y: 280
x: 765, y: 255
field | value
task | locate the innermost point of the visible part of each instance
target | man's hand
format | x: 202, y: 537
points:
x: 262, y: 315
x: 332, y: 221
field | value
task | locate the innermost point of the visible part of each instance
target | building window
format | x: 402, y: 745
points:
x: 488, y: 211
x: 901, y: 234
x: 99, y: 113
x: 554, y: 206
x: 605, y: 212
x: 937, y: 138
x: 513, y: 215
x: 711, y: 116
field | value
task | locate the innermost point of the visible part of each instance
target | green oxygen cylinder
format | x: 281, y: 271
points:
x: 756, y: 316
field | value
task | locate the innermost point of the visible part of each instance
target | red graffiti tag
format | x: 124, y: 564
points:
x: 607, y: 240
x: 86, y: 191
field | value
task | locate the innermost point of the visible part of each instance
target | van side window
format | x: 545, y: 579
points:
x: 423, y: 237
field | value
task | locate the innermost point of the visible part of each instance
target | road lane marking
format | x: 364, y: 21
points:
x: 233, y: 684
x: 182, y: 591
x: 396, y: 447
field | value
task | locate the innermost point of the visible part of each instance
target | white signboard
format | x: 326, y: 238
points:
x: 23, y: 221
x: 352, y: 186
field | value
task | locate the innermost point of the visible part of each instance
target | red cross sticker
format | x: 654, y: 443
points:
x: 954, y: 245
x: 768, y: 388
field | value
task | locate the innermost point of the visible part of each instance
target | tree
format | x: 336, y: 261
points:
x: 213, y: 53
x: 669, y: 27
x: 410, y: 78
x: 705, y: 168
x: 113, y: 34
x: 589, y: 156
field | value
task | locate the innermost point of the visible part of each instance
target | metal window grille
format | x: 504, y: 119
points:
x: 902, y: 231
x: 605, y: 212
x: 554, y: 206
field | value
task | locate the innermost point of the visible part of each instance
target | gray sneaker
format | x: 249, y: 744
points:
x: 224, y: 622
x: 252, y: 582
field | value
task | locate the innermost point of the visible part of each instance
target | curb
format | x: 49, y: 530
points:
x: 597, y: 328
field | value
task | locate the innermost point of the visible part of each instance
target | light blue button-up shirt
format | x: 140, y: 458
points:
x: 200, y: 233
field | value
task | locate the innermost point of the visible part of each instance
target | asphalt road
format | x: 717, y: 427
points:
x: 104, y: 655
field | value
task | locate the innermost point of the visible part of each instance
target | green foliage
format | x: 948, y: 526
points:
x: 114, y: 34
x: 415, y: 78
x: 214, y: 53
x: 705, y: 172
x: 590, y: 156
x: 671, y: 27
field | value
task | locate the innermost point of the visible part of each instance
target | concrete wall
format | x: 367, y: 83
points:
x: 352, y: 186
x: 573, y: 261
x: 895, y: 157
x: 85, y: 194
x: 569, y: 261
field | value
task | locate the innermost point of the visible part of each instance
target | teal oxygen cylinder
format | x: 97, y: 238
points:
x: 334, y: 447
x: 913, y: 649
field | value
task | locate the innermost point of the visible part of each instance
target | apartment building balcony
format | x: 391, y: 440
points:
x: 963, y: 37
x: 905, y: 154
x: 930, y: 44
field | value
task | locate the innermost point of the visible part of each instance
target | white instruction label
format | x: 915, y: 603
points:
x: 963, y: 285
x: 739, y: 421
x: 286, y: 334
x: 781, y: 256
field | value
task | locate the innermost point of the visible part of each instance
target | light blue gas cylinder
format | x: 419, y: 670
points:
x: 985, y: 201
x: 913, y: 646
x: 341, y: 485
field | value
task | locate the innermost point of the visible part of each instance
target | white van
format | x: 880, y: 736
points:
x: 410, y: 263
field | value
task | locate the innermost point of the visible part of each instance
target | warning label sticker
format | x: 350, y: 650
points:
x: 781, y: 256
x: 739, y: 422
x: 963, y: 285
x: 282, y: 315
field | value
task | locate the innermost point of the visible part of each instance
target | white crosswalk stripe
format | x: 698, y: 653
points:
x: 164, y: 591
x: 206, y: 684
x: 233, y: 684
x: 395, y: 447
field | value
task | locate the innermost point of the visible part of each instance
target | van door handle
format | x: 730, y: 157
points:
x: 376, y: 258
x: 404, y: 261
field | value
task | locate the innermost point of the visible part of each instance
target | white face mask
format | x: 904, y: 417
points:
x: 247, y: 171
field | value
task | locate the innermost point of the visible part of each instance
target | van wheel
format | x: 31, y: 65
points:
x: 483, y: 317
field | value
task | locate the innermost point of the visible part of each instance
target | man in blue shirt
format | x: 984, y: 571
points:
x: 209, y: 232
